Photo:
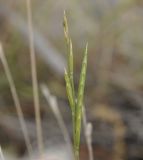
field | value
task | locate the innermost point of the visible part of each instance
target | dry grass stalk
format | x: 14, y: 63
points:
x: 54, y: 107
x: 89, y: 129
x: 16, y: 100
x: 34, y: 80
x: 88, y: 134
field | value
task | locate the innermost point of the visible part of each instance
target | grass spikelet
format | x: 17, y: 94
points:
x: 70, y: 51
x: 69, y: 92
x: 66, y: 31
x: 80, y: 97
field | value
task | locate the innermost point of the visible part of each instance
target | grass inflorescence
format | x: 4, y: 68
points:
x: 76, y: 102
x: 75, y: 99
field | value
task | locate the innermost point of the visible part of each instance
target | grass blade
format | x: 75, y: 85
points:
x: 80, y: 98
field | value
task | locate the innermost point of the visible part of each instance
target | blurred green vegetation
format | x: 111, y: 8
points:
x: 114, y: 30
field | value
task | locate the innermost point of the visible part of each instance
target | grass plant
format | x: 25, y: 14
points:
x: 75, y: 101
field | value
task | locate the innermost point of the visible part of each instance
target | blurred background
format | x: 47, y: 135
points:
x: 114, y: 85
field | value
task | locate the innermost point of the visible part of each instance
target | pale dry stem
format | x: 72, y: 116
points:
x: 16, y: 100
x: 34, y: 80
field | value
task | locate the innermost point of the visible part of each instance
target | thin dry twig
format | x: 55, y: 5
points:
x: 88, y: 134
x: 89, y: 140
x: 34, y: 80
x: 54, y: 106
x: 16, y: 101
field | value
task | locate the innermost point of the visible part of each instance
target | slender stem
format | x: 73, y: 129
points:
x: 16, y: 101
x: 34, y: 80
x: 54, y: 106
